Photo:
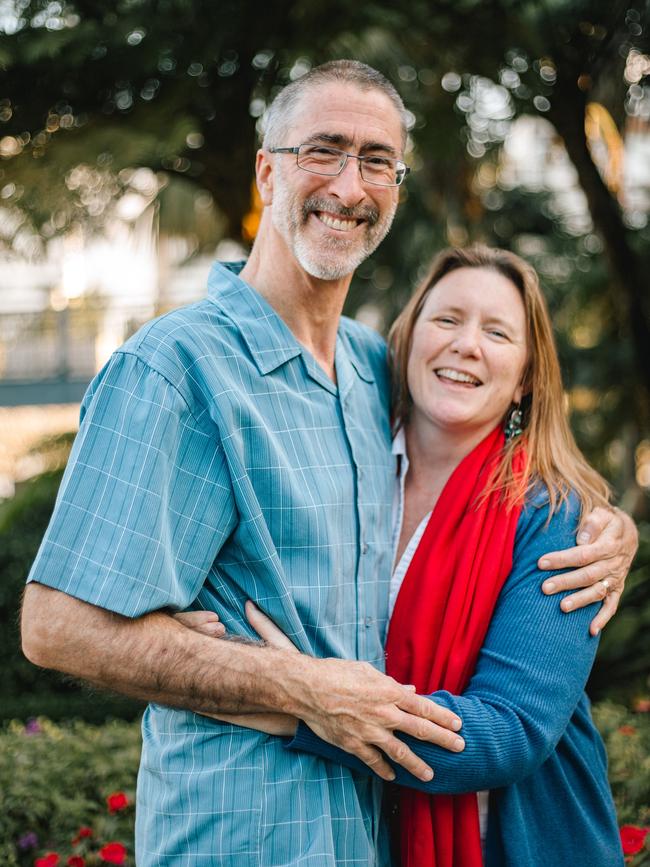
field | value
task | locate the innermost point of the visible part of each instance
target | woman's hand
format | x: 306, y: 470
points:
x: 607, y: 544
x: 207, y: 622
x: 280, y: 724
x: 266, y: 628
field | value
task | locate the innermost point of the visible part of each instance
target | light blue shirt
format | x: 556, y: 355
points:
x: 216, y: 462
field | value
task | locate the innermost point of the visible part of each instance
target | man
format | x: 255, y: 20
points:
x: 239, y: 449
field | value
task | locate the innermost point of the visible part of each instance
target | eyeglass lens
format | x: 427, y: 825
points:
x: 329, y: 161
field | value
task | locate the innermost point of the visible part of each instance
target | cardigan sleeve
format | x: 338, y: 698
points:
x: 529, y: 678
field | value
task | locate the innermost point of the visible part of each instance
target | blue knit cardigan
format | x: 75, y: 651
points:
x: 527, y: 725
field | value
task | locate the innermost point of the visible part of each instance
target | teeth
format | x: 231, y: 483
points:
x: 450, y: 373
x: 333, y: 223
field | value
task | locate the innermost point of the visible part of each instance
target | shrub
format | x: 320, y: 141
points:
x: 56, y: 781
x: 627, y: 738
x: 26, y: 690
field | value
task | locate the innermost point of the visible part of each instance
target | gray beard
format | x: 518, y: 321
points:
x: 337, y: 261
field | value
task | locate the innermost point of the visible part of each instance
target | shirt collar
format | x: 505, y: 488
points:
x: 399, y: 450
x: 267, y: 336
x: 357, y: 357
x: 269, y: 339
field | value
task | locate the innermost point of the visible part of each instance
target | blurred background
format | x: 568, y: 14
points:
x: 127, y: 139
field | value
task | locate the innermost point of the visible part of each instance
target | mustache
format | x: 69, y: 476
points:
x: 362, y: 212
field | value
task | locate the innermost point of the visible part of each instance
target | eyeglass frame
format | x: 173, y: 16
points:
x: 361, y: 157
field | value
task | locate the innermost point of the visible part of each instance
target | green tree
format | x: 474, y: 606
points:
x: 178, y: 85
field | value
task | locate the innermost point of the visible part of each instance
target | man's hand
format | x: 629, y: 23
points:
x: 359, y: 710
x: 607, y: 544
x: 354, y: 707
x: 351, y: 705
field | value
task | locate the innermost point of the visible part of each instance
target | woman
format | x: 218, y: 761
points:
x: 493, y: 479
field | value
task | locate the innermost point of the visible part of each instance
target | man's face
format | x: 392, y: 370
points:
x: 332, y: 223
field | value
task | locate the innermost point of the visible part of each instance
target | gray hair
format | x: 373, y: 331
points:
x: 280, y: 113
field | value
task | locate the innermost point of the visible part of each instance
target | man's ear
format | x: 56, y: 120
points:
x: 264, y: 177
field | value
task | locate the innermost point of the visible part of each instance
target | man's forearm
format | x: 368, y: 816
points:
x: 154, y: 658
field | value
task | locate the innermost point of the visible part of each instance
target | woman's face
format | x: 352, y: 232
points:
x: 468, y: 353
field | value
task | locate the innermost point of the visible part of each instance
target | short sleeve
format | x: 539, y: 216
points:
x: 146, y: 501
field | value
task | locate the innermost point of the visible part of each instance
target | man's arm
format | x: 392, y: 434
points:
x: 607, y: 544
x: 154, y: 658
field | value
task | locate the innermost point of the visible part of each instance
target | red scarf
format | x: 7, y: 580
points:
x: 441, y: 616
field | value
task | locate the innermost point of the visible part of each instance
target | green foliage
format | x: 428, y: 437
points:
x: 27, y: 690
x: 56, y: 780
x: 627, y: 740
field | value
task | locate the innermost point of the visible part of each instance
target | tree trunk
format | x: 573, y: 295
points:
x: 568, y: 116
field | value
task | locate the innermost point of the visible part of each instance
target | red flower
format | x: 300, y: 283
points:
x: 627, y: 730
x: 76, y: 861
x: 114, y: 853
x: 642, y: 705
x: 116, y: 802
x: 49, y: 860
x: 633, y: 838
x: 81, y: 833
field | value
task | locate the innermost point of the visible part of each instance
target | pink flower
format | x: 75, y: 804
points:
x: 51, y: 859
x: 116, y: 802
x: 114, y: 853
x: 633, y: 838
x: 82, y: 833
x: 627, y: 730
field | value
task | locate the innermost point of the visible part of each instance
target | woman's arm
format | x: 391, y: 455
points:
x: 529, y: 678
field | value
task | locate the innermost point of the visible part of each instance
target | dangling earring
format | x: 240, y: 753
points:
x: 513, y: 423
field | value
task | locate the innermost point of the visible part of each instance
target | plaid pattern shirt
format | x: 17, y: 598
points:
x: 216, y: 462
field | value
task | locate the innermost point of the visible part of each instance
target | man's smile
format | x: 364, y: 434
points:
x: 341, y: 224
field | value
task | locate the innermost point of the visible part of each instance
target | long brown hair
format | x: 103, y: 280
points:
x: 553, y: 458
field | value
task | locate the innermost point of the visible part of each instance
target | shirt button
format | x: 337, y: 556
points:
x: 359, y: 474
x: 364, y: 548
x: 368, y: 621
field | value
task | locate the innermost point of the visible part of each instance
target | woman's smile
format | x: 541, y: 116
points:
x: 452, y: 376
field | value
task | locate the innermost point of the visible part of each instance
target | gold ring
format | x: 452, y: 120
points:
x: 605, y: 584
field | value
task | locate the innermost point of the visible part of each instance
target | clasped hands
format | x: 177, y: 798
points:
x: 355, y: 707
x: 349, y: 704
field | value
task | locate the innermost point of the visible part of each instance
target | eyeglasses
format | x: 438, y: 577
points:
x: 320, y: 160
